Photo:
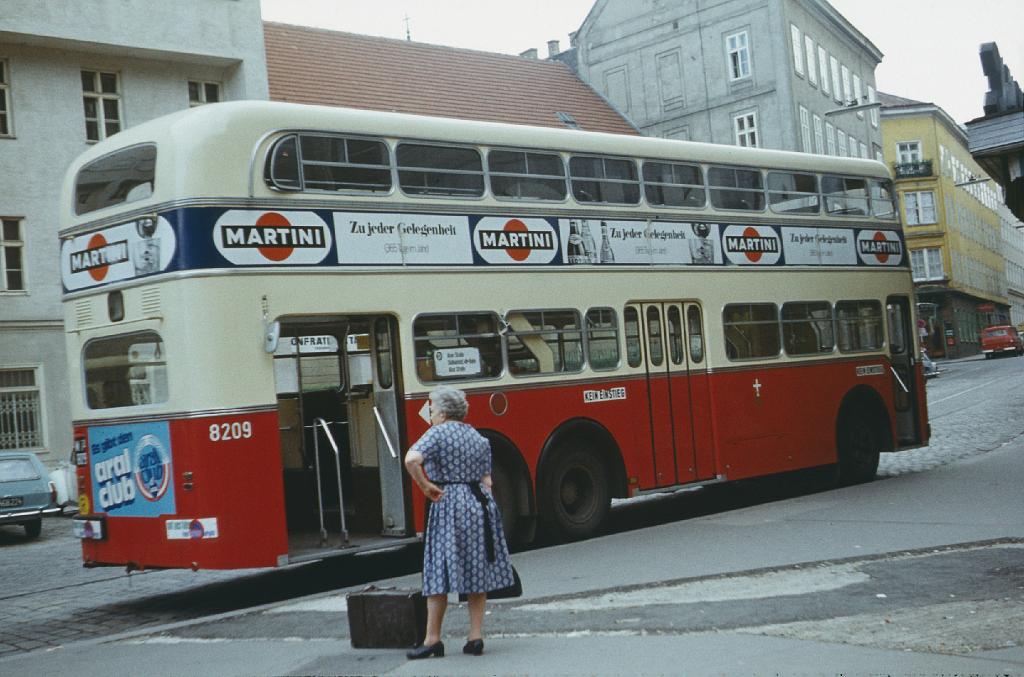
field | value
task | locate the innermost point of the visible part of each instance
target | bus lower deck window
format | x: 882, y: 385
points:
x: 457, y: 346
x: 751, y: 330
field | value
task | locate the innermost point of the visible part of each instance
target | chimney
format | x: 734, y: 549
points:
x: 529, y: 54
x: 553, y: 49
x: 572, y: 39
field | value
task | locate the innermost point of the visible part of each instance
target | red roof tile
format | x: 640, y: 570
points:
x: 315, y: 66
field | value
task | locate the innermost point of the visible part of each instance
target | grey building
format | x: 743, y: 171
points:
x: 766, y: 73
x: 71, y: 74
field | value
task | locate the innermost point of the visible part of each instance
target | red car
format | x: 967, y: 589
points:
x: 1000, y: 340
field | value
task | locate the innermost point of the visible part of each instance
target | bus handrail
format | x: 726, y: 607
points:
x: 898, y: 379
x: 384, y: 432
x: 319, y: 421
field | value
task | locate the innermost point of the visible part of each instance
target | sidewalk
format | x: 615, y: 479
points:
x: 971, y: 501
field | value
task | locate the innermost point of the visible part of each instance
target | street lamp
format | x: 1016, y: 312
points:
x: 853, y: 106
x: 971, y: 182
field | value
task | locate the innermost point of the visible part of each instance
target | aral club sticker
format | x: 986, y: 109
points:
x: 250, y: 237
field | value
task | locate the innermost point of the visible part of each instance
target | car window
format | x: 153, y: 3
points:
x: 17, y: 470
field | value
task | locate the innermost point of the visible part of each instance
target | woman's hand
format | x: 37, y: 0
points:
x: 432, y: 491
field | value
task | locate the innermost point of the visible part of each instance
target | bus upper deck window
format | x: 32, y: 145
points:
x: 334, y: 163
x: 125, y: 175
x: 882, y: 204
x: 673, y: 185
x: 790, y: 193
x: 733, y: 188
x: 845, y: 196
x: 523, y: 175
x: 125, y: 370
x: 439, y: 170
x: 283, y: 165
x: 604, y: 179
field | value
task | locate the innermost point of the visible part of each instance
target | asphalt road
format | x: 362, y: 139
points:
x: 48, y: 600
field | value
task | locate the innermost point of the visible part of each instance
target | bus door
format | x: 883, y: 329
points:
x: 337, y: 406
x: 903, y: 357
x: 700, y: 395
x: 668, y: 393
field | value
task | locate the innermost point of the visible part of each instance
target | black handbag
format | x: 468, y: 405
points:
x: 509, y: 592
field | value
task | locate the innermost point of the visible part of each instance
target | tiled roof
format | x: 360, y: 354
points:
x: 892, y: 101
x: 311, y: 65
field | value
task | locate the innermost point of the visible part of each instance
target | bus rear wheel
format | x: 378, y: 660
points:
x: 506, y: 493
x: 859, y: 444
x: 575, y: 497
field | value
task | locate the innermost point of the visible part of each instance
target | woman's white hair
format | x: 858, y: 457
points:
x: 450, y: 402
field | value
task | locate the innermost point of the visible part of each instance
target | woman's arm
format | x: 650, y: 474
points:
x: 414, y: 466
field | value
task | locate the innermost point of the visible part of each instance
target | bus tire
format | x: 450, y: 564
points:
x: 33, y: 528
x: 859, y: 443
x: 506, y: 489
x: 575, y: 498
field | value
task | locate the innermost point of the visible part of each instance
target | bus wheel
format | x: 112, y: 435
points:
x: 506, y: 492
x: 859, y: 446
x: 575, y: 498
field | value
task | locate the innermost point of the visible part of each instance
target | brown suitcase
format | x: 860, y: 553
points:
x: 386, y: 619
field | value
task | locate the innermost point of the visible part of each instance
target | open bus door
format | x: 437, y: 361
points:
x: 903, y: 357
x: 341, y: 460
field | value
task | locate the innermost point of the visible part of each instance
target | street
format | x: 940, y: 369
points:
x: 921, y: 561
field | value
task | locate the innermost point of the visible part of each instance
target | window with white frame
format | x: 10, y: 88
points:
x: 202, y: 92
x: 857, y: 94
x: 12, y: 266
x: 738, y: 46
x: 853, y: 145
x: 745, y: 126
x: 823, y: 69
x: 927, y: 264
x: 819, y: 137
x: 846, y: 85
x: 805, y: 130
x: 872, y: 98
x: 812, y: 67
x: 830, y: 137
x: 5, y: 101
x: 908, y: 152
x: 20, y: 409
x: 798, y: 49
x: 841, y: 145
x: 920, y: 207
x: 863, y: 150
x: 101, y: 98
x: 837, y: 90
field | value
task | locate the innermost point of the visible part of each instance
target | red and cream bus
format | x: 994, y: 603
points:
x: 260, y: 296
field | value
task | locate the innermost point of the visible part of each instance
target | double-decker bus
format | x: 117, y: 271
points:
x: 260, y: 296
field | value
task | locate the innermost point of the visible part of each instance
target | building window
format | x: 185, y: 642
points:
x: 853, y: 145
x: 819, y: 137
x: 847, y: 91
x: 857, y: 94
x: 812, y: 68
x: 874, y: 111
x: 5, y: 101
x: 841, y: 135
x: 12, y: 270
x: 202, y: 92
x: 20, y: 410
x: 823, y: 69
x: 927, y: 264
x: 837, y: 92
x: 805, y: 129
x: 746, y: 129
x: 798, y: 50
x: 738, y: 47
x: 920, y: 206
x: 101, y: 97
x: 830, y: 137
x: 863, y: 150
x: 670, y: 80
x: 908, y: 152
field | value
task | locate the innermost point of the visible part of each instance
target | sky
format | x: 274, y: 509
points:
x: 930, y: 46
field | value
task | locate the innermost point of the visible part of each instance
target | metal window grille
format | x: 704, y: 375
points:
x: 20, y: 410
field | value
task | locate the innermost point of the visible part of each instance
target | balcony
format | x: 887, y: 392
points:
x: 912, y: 170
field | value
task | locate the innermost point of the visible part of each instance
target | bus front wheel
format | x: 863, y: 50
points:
x: 575, y: 497
x: 859, y: 444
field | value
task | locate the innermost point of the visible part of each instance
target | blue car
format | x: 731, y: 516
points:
x: 26, y: 492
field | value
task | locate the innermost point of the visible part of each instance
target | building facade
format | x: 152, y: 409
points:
x: 953, y: 228
x: 1013, y: 255
x: 71, y: 74
x: 766, y: 73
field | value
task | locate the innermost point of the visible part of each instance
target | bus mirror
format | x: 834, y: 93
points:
x: 271, y: 336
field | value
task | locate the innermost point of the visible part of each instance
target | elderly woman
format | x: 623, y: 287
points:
x: 465, y: 549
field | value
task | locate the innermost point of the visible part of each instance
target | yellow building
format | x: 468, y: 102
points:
x: 953, y: 230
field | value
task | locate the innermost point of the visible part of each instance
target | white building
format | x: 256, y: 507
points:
x: 766, y: 73
x: 1013, y: 252
x: 72, y: 73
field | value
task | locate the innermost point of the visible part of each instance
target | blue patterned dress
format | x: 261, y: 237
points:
x: 455, y: 554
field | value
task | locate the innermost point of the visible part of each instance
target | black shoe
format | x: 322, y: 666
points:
x: 474, y: 647
x: 426, y: 651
